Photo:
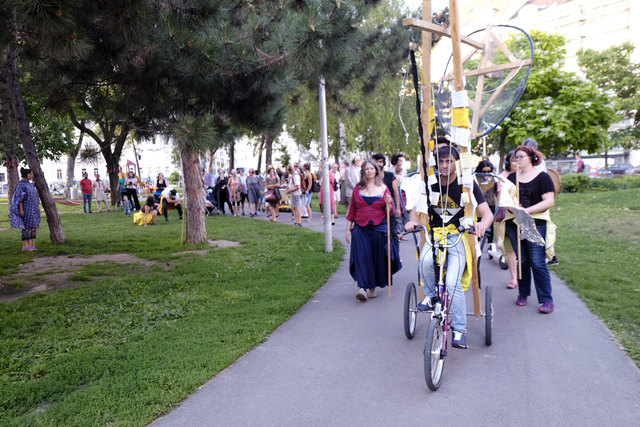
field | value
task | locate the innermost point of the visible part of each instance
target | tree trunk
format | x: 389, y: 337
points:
x: 342, y: 134
x: 56, y: 233
x: 210, y: 159
x: 194, y: 204
x: 7, y: 127
x: 106, y: 143
x: 232, y: 156
x: 71, y: 165
x: 260, y: 150
x: 268, y: 148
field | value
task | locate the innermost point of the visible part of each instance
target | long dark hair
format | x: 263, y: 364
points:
x: 363, y: 180
x: 484, y: 164
x: 507, y: 160
x: 24, y: 172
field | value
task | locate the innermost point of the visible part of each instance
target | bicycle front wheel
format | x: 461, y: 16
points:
x: 410, y: 310
x: 433, y: 354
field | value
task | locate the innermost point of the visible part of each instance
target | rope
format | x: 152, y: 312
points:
x: 402, y: 96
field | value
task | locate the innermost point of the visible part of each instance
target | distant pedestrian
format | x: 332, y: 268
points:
x: 87, y: 192
x: 100, y: 187
x: 131, y: 184
x: 295, y: 195
x: 253, y: 191
x: 24, y: 210
x: 579, y: 164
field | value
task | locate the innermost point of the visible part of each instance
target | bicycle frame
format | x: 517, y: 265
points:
x: 441, y: 309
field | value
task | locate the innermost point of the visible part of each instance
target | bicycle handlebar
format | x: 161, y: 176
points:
x: 419, y: 228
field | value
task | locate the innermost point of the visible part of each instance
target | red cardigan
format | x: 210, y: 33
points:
x: 362, y: 213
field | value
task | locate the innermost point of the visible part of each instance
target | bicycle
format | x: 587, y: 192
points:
x: 435, y: 349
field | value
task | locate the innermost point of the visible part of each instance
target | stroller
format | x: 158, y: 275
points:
x: 211, y: 203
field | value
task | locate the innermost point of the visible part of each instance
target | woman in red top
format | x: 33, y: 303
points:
x: 367, y: 232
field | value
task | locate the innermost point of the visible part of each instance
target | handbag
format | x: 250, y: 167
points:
x: 270, y: 196
x: 276, y: 191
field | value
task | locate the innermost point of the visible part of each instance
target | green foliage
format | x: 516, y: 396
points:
x: 562, y: 111
x: 174, y: 177
x: 130, y: 342
x: 575, y: 182
x: 580, y: 183
x: 612, y: 70
x: 365, y: 98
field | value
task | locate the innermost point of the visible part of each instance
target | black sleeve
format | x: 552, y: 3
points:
x: 546, y: 184
x: 477, y: 193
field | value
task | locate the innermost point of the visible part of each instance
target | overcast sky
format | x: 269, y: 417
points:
x: 435, y: 4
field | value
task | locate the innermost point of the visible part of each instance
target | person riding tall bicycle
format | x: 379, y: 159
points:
x: 445, y: 214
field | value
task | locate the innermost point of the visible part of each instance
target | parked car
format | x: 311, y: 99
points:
x: 635, y: 171
x: 604, y: 172
x: 620, y: 168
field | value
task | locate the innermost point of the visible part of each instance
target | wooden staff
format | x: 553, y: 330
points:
x: 388, y: 250
x: 184, y: 215
x: 468, y: 207
x: 518, y: 225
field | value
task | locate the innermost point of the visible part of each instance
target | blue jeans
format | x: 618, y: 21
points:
x: 86, y: 199
x: 456, y: 261
x: 533, y: 261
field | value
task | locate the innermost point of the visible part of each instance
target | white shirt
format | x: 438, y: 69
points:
x: 166, y: 195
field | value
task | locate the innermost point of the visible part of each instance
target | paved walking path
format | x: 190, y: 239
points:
x: 340, y: 362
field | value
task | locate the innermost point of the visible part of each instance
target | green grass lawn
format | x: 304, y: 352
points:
x: 598, y: 246
x: 130, y: 342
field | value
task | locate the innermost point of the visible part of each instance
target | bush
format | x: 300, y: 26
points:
x: 603, y: 185
x: 575, y: 183
x: 174, y: 177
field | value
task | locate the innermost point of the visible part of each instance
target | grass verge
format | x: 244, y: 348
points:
x: 598, y: 245
x: 130, y: 343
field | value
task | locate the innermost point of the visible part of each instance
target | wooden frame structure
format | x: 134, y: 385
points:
x: 485, y: 67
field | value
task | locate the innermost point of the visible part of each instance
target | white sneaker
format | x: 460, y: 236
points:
x: 361, y: 295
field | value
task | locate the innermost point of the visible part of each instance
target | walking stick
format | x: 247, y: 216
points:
x: 518, y: 225
x: 184, y: 215
x: 388, y: 251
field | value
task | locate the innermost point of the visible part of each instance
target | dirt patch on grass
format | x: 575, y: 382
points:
x: 223, y: 243
x: 217, y: 244
x: 45, y: 274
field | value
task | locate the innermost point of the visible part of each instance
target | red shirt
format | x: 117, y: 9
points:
x: 85, y: 186
x: 361, y: 212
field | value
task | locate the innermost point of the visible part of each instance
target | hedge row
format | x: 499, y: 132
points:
x: 581, y: 183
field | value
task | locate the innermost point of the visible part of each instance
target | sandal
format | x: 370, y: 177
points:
x: 512, y: 285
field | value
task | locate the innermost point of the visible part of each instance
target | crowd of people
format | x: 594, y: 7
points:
x: 378, y: 213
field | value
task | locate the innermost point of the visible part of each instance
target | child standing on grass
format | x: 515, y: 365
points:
x: 126, y: 205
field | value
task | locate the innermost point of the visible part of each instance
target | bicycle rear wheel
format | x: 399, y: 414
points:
x: 410, y: 310
x: 433, y: 354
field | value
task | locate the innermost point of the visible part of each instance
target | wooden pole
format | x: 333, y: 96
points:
x: 388, y: 250
x: 468, y: 207
x: 518, y: 225
x: 426, y: 106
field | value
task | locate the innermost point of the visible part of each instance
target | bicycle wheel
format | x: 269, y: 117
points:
x: 488, y: 315
x: 410, y: 310
x: 433, y: 355
x: 503, y: 262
